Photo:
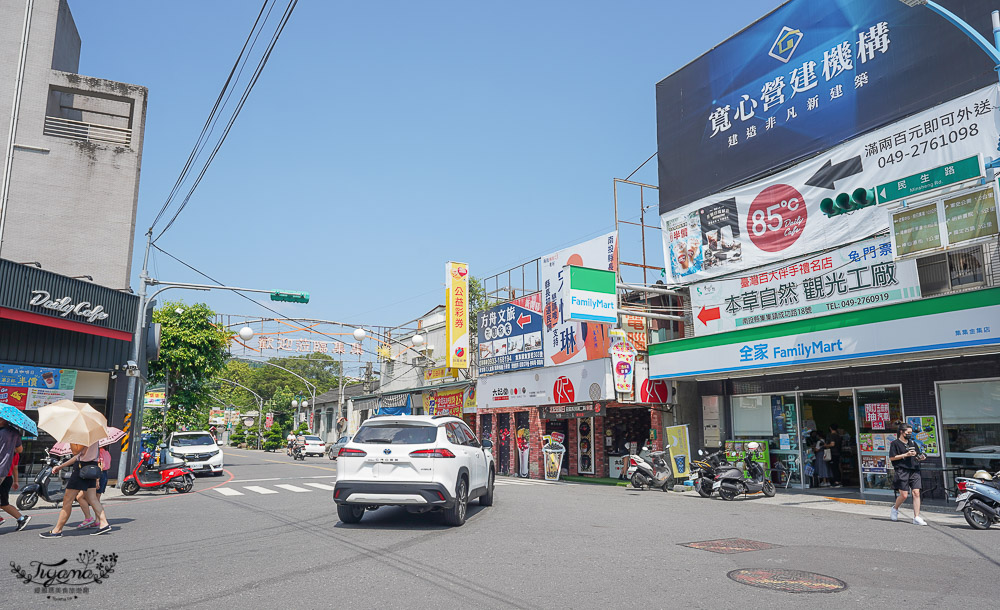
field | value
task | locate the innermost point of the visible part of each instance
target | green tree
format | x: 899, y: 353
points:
x: 479, y: 302
x: 192, y: 350
x: 273, y: 438
x: 303, y: 428
x: 319, y: 369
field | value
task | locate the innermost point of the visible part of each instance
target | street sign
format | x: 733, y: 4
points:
x: 290, y: 296
x: 953, y: 173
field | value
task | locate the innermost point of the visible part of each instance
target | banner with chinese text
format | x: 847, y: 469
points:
x: 857, y: 276
x: 779, y: 218
x: 565, y: 341
x: 457, y: 315
x: 30, y: 387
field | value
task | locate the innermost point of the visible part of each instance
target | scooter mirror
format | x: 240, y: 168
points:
x: 700, y: 452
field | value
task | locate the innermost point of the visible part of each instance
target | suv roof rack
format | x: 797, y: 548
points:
x: 440, y: 416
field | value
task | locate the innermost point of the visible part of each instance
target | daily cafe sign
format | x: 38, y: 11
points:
x: 65, y: 306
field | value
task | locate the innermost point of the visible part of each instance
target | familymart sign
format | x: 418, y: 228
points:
x: 593, y: 295
x: 958, y: 321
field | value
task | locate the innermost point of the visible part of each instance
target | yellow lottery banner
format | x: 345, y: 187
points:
x: 457, y: 315
x: 680, y: 450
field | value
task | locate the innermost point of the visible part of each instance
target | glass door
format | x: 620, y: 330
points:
x: 786, y: 458
x: 879, y: 411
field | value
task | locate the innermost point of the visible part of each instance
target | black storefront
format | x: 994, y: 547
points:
x: 62, y: 338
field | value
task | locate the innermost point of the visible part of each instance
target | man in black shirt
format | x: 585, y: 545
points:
x: 833, y: 444
x: 905, y: 460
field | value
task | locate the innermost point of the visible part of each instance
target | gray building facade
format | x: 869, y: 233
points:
x: 72, y: 150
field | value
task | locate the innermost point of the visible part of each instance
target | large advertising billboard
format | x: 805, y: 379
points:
x: 779, y: 217
x: 510, y: 337
x: 804, y: 78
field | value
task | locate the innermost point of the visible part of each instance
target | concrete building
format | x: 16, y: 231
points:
x: 72, y: 150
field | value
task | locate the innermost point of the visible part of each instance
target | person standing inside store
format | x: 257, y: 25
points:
x: 78, y: 486
x: 10, y: 446
x: 833, y: 443
x: 906, y: 458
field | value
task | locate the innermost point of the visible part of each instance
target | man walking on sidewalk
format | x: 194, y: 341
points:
x: 906, y: 463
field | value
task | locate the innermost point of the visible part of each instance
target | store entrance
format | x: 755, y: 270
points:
x: 828, y: 417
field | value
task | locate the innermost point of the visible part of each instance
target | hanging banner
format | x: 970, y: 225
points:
x: 567, y: 341
x: 445, y: 402
x: 803, y: 78
x: 779, y: 217
x: 622, y: 361
x: 457, y: 314
x: 154, y: 400
x: 680, y: 450
x: 856, y: 276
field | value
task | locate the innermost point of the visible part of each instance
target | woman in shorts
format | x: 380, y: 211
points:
x: 79, y: 487
x: 104, y: 461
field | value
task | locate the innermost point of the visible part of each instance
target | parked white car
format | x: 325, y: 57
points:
x: 314, y: 445
x: 198, y: 449
x: 424, y: 463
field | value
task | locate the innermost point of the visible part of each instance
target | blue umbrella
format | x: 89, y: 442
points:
x: 16, y: 417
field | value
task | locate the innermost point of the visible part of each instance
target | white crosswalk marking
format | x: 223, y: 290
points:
x: 293, y: 488
x: 521, y: 482
x: 321, y: 486
x: 226, y: 491
x: 260, y: 490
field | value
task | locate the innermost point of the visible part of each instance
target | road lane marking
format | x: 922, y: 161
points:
x: 227, y: 491
x: 318, y: 476
x: 321, y: 486
x: 260, y: 490
x: 251, y: 455
x: 293, y: 488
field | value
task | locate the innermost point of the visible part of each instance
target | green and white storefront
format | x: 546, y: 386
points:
x: 934, y: 362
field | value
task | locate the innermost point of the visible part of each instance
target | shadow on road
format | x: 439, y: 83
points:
x: 397, y: 518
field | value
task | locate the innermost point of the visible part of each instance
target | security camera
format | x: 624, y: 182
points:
x: 131, y: 369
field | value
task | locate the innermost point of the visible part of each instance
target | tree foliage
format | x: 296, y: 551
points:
x: 479, y: 302
x: 192, y: 351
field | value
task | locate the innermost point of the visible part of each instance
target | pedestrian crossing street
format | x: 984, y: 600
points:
x: 276, y: 488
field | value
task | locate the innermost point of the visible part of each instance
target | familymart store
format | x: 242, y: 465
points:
x: 934, y: 363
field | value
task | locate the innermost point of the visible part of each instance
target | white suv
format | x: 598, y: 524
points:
x: 421, y: 462
x: 198, y: 449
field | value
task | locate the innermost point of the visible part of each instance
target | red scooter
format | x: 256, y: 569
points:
x: 168, y: 476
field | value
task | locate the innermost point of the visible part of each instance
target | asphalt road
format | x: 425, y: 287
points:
x: 267, y: 533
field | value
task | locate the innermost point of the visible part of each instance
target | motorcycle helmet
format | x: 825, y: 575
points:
x: 982, y: 475
x: 753, y: 446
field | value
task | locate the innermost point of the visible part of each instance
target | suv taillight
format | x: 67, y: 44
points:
x: 348, y: 452
x: 432, y: 453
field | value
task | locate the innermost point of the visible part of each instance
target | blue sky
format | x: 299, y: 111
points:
x: 386, y: 138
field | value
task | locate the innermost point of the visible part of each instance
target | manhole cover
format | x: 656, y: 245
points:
x: 730, y: 545
x: 789, y: 581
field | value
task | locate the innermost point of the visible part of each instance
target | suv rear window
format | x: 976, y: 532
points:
x: 396, y: 434
x: 191, y: 440
x: 313, y: 438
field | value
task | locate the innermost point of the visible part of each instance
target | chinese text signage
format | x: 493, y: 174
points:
x: 30, y: 387
x: 510, y: 338
x: 856, y: 276
x: 952, y: 173
x: 457, y: 315
x: 947, y: 222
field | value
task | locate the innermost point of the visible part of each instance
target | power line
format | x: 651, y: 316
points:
x: 239, y: 107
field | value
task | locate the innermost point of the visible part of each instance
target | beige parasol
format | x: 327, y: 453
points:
x: 73, y: 422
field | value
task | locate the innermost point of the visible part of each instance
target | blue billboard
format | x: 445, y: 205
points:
x: 510, y: 339
x: 805, y: 78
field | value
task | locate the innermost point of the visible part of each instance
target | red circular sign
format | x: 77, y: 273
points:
x: 776, y: 218
x: 562, y: 391
x: 654, y: 390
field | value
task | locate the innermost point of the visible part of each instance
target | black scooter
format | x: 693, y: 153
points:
x: 730, y: 482
x: 299, y: 453
x: 41, y: 487
x: 703, y: 471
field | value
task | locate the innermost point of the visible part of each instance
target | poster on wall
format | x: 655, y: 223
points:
x: 874, y: 464
x: 857, y: 276
x: 510, y: 337
x: 585, y: 445
x: 457, y: 315
x: 30, y: 387
x: 623, y: 355
x: 680, y: 450
x: 522, y: 439
x: 566, y: 341
x: 445, y: 402
x: 779, y: 217
x: 925, y: 431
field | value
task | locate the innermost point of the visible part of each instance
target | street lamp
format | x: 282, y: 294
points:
x: 260, y: 409
x: 246, y: 333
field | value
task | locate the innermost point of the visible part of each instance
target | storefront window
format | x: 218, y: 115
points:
x: 879, y: 412
x: 970, y: 413
x: 752, y: 416
x: 774, y: 420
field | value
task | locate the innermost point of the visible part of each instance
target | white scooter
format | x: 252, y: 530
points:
x: 655, y: 474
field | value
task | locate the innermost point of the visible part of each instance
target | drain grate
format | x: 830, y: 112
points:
x: 730, y: 545
x: 788, y: 581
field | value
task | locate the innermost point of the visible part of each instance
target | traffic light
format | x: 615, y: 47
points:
x: 290, y: 296
x: 844, y: 203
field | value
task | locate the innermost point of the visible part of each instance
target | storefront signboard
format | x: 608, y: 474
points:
x: 582, y: 382
x: 40, y: 397
x: 963, y: 320
x: 154, y: 400
x: 457, y: 314
x: 570, y: 411
x: 30, y: 387
x: 622, y: 361
x: 593, y: 295
x: 857, y: 276
x: 680, y: 450
x: 567, y: 341
x: 440, y: 373
x: 510, y: 337
x: 779, y: 218
x: 925, y: 433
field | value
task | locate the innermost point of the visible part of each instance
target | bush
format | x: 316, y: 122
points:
x: 273, y: 439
